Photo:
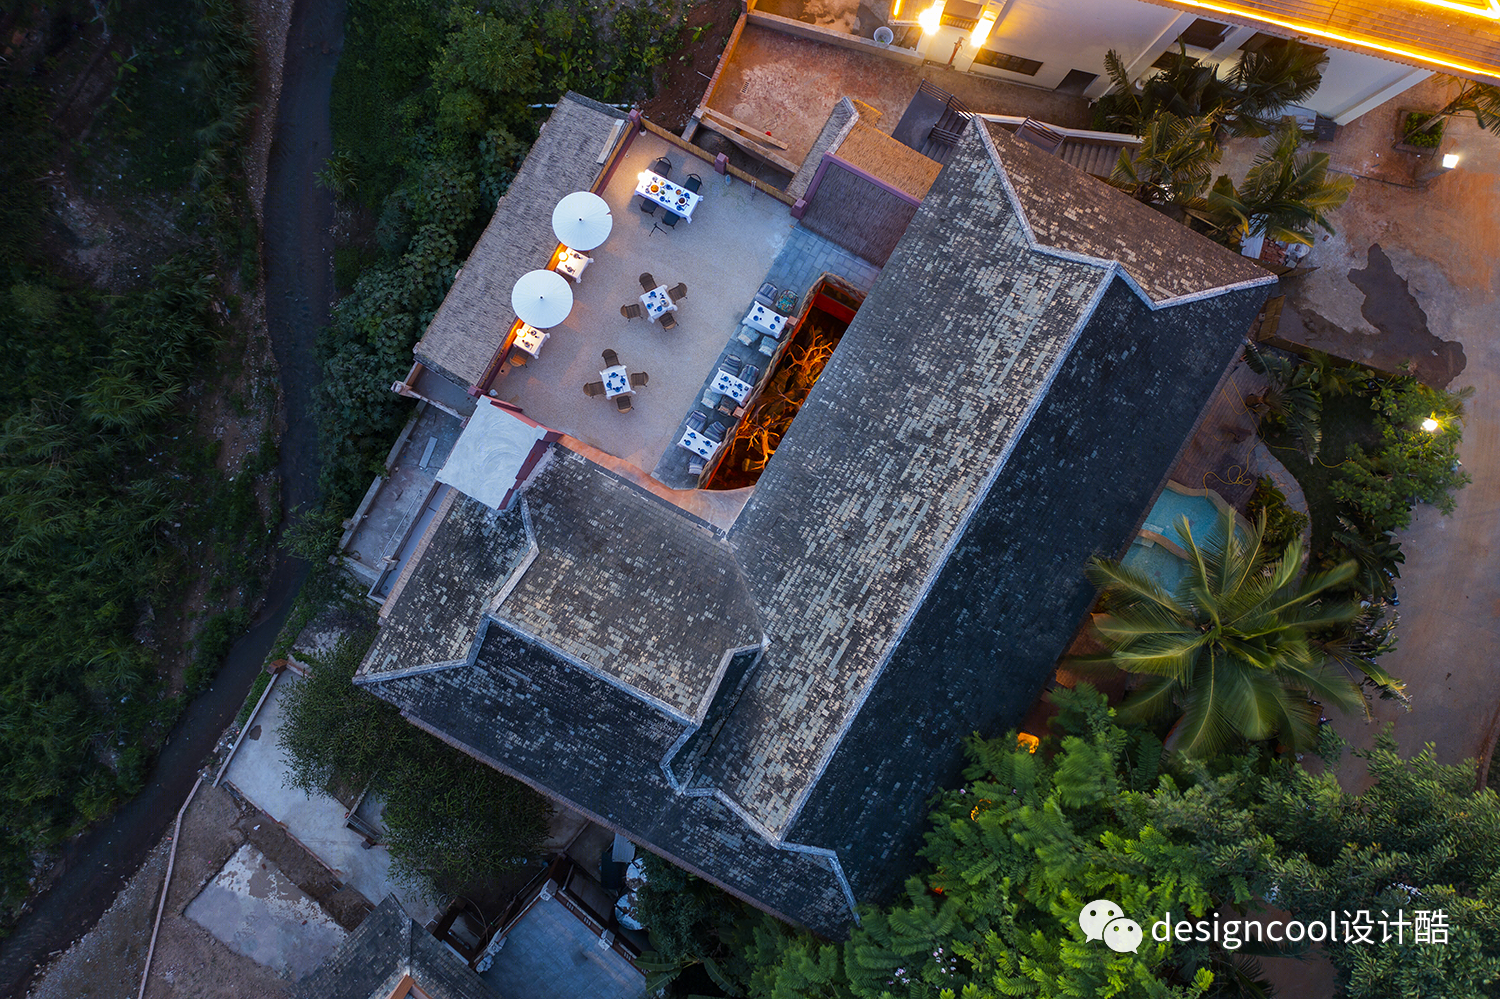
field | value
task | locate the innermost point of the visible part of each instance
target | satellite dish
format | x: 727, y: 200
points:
x: 884, y: 35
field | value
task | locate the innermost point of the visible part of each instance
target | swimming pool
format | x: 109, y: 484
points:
x: 1160, y: 550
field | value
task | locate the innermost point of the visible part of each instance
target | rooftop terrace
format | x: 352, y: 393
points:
x: 722, y: 256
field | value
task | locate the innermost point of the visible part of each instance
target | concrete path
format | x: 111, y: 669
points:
x: 1416, y: 273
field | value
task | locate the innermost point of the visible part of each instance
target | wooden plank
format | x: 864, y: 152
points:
x: 747, y: 130
x: 750, y: 147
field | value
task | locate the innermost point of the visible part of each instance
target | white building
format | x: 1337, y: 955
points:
x: 1375, y: 50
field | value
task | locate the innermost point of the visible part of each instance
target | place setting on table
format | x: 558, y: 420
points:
x: 617, y: 382
x: 656, y: 190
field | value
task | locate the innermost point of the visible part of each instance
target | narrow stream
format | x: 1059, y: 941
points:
x: 299, y: 292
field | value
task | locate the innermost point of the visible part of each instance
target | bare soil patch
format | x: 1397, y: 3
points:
x: 682, y: 79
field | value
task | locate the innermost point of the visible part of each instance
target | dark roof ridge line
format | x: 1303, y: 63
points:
x: 533, y: 551
x: 1038, y: 397
x: 1037, y: 246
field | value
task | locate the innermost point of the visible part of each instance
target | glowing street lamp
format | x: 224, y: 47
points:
x: 1450, y: 160
x: 1430, y: 425
x: 932, y: 18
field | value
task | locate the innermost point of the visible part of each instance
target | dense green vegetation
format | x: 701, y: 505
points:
x: 109, y: 501
x: 1102, y: 812
x: 431, y: 118
x: 452, y: 823
x: 1367, y: 455
x: 1231, y: 656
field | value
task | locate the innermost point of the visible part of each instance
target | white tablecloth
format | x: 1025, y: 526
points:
x: 764, y: 319
x: 616, y: 381
x: 727, y: 384
x: 698, y: 444
x: 572, y: 264
x: 657, y: 301
x: 677, y: 200
x: 530, y: 339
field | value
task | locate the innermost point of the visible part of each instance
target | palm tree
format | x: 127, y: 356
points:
x: 1229, y: 652
x: 1246, y: 101
x: 1173, y: 165
x: 1292, y: 400
x: 1482, y: 100
x: 1283, y: 195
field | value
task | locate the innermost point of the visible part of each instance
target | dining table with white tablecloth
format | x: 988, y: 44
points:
x: 673, y: 197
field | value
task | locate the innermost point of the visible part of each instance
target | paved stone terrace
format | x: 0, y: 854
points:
x: 805, y: 258
x: 721, y: 255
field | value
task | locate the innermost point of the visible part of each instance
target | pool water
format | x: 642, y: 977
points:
x: 1155, y: 560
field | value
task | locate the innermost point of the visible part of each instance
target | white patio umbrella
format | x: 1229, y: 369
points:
x: 582, y: 220
x: 542, y: 298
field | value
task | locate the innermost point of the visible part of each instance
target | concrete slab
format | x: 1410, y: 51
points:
x: 722, y: 256
x: 395, y: 517
x: 255, y: 910
x: 765, y: 84
x: 549, y: 952
x: 258, y: 772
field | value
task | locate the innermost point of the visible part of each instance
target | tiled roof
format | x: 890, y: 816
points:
x: 587, y: 742
x: 1414, y: 33
x: 1068, y: 210
x: 475, y: 317
x: 912, y: 556
x: 386, y: 947
x: 469, y: 553
x: 628, y: 586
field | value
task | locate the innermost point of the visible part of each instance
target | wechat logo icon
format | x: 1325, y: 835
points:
x: 1101, y: 919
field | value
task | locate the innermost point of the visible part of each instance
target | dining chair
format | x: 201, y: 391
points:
x: 696, y: 419
x: 638, y: 379
x: 767, y: 295
x: 714, y: 431
x: 669, y: 220
x: 677, y: 292
x: 622, y: 403
x: 631, y: 311
x: 731, y: 364
x: 593, y: 389
x: 517, y: 358
x: 611, y: 359
x: 693, y: 183
x: 711, y: 399
x: 748, y: 335
x: 695, y: 468
x: 647, y: 281
x: 648, y: 206
x: 768, y: 344
x: 750, y: 374
x: 662, y: 167
x: 668, y: 321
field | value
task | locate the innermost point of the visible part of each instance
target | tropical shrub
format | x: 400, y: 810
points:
x: 1017, y: 852
x: 1283, y: 524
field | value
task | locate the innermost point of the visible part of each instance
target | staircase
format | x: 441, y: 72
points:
x: 1091, y: 156
x: 950, y: 124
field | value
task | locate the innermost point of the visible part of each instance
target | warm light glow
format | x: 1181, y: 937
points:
x: 1491, y: 10
x: 932, y: 18
x: 1430, y: 425
x: 896, y: 10
x: 1484, y: 8
x: 981, y: 32
x: 1450, y: 160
